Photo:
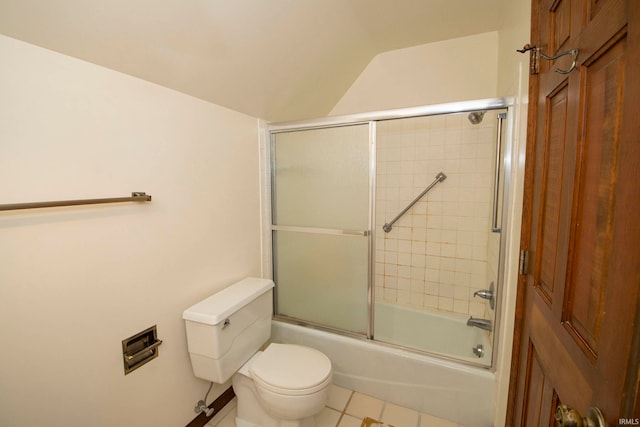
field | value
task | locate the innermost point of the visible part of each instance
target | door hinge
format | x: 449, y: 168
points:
x: 524, y: 261
x: 534, y: 57
x: 534, y: 61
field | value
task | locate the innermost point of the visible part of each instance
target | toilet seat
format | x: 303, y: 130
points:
x: 291, y: 370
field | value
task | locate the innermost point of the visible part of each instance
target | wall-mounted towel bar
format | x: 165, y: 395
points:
x: 135, y: 197
x: 439, y: 178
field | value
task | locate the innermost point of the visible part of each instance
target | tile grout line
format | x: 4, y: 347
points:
x: 380, y: 417
x: 344, y: 410
x: 384, y: 407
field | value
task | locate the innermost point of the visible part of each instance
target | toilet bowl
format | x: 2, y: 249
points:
x: 283, y: 386
x: 286, y: 385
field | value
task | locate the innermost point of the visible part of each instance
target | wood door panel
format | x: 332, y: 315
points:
x: 540, y: 397
x: 533, y: 389
x: 602, y: 30
x: 558, y: 360
x: 551, y: 191
x: 603, y: 85
x: 578, y: 333
x: 560, y: 25
x: 595, y: 6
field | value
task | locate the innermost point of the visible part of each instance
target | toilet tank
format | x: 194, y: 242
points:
x: 227, y: 328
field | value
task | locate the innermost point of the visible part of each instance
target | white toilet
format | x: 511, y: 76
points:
x: 283, y: 386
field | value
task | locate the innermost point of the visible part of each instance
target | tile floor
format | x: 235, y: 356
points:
x: 346, y: 408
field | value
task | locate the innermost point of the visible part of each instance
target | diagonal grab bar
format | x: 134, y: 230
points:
x: 439, y: 178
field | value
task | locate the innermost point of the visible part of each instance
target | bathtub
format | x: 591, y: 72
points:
x: 444, y: 388
x: 445, y: 334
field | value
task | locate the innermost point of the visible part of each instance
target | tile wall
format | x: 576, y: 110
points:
x: 436, y: 255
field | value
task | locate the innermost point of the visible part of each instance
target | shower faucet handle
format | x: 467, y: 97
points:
x: 488, y: 294
x: 485, y: 294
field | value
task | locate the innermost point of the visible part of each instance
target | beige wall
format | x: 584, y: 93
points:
x: 75, y: 282
x: 452, y: 70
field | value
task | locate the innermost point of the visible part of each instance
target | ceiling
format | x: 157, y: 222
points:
x: 273, y: 59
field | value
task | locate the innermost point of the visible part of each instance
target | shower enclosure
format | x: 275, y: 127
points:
x: 387, y: 226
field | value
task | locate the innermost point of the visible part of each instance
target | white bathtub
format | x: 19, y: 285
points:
x: 446, y: 389
x: 446, y: 334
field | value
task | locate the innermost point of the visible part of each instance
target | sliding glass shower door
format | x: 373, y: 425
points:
x: 393, y: 228
x: 321, y: 189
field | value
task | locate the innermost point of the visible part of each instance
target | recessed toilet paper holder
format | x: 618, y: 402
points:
x: 140, y: 349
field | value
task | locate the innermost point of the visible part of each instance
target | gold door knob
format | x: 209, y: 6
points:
x: 566, y: 416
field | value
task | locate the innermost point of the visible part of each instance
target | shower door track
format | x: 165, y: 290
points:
x: 400, y: 113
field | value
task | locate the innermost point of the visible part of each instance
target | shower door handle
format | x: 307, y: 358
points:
x: 315, y: 230
x: 496, y: 178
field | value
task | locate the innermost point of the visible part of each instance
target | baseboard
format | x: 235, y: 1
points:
x: 217, y: 406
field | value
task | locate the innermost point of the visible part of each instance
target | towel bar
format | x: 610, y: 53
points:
x: 136, y: 196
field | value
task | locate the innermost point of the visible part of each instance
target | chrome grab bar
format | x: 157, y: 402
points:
x: 439, y: 178
x: 496, y: 179
x: 135, y: 197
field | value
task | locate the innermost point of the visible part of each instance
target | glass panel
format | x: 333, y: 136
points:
x: 442, y: 250
x: 322, y: 278
x: 321, y: 178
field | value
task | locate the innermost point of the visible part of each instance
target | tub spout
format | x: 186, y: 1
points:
x: 480, y: 323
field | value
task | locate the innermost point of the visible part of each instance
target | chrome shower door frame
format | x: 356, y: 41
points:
x: 273, y: 130
x: 372, y: 119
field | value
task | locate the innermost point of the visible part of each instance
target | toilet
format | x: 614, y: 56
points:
x: 284, y: 385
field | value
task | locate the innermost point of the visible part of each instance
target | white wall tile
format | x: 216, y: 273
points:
x: 437, y: 252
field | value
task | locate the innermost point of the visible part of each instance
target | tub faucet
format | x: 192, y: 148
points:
x: 488, y: 294
x: 485, y: 293
x: 480, y: 323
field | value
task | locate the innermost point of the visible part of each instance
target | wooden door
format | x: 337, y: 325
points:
x: 577, y: 335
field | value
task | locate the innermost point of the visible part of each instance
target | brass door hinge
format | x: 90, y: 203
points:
x: 533, y: 58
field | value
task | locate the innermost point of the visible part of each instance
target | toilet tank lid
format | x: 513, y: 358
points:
x: 224, y: 303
